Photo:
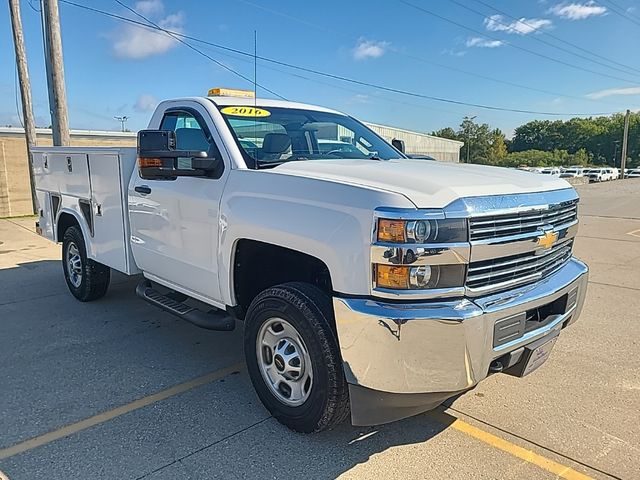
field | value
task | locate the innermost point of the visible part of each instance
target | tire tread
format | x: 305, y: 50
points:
x: 96, y: 276
x: 317, y: 309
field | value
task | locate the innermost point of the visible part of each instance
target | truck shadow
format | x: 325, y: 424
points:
x: 329, y: 454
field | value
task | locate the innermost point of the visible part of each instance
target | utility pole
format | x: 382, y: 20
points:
x: 123, y: 122
x: 25, y: 91
x: 625, y: 138
x: 55, y: 72
x: 615, y: 151
x: 471, y: 119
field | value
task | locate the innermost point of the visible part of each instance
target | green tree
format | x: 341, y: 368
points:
x: 497, y: 148
x: 580, y: 141
x: 446, y: 132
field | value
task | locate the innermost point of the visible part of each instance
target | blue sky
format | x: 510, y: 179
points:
x: 113, y: 68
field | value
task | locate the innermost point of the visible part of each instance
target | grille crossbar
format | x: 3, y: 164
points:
x: 517, y: 269
x: 496, y: 226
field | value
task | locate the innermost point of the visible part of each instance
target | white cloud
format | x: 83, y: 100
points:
x: 137, y: 42
x: 145, y: 103
x: 523, y: 26
x: 149, y: 7
x: 578, y: 11
x: 613, y: 91
x: 483, y: 42
x: 360, y: 98
x: 454, y: 52
x: 369, y: 49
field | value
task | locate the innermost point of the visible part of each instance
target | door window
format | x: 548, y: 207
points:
x: 191, y: 134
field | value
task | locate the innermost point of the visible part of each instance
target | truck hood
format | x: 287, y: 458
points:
x: 427, y: 184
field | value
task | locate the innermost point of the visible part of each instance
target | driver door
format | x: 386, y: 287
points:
x: 175, y: 222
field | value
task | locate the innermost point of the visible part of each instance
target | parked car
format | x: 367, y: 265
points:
x: 417, y: 156
x: 370, y: 284
x: 596, y: 175
x: 635, y: 173
x: 555, y: 171
x: 572, y: 173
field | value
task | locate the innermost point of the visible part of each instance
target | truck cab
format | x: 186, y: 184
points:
x: 370, y: 285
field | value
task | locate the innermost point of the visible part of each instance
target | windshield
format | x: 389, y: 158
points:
x: 269, y: 136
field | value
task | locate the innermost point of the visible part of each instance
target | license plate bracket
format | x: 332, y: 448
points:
x: 534, y: 355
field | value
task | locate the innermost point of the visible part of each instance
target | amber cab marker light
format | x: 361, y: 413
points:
x: 149, y: 162
x: 392, y: 276
x: 391, y: 231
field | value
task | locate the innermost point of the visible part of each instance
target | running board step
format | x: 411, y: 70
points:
x: 211, y: 320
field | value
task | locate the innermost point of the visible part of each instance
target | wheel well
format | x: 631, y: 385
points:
x: 65, y: 221
x: 259, y: 265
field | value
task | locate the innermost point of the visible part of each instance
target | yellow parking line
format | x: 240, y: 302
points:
x: 561, y: 471
x: 116, y: 412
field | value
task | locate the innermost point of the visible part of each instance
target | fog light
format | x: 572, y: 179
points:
x: 419, y: 276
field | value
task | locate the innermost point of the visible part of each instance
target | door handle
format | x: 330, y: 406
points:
x: 145, y: 190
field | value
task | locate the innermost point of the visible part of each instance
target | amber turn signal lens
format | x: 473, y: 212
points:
x: 391, y: 276
x: 149, y: 162
x: 391, y: 230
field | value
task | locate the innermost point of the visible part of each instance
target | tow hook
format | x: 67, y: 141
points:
x: 496, y: 367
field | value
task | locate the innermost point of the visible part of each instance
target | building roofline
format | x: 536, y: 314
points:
x: 47, y: 131
x: 113, y: 133
x: 411, y: 132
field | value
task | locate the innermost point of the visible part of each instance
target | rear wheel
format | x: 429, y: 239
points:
x: 87, y: 279
x: 293, y: 357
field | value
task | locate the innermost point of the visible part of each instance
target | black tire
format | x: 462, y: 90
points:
x: 310, y: 312
x: 93, y: 281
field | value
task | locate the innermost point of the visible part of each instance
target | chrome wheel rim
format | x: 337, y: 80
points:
x: 284, y: 362
x: 74, y: 264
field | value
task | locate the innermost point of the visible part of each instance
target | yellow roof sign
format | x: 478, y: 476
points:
x: 230, y: 92
x: 244, y: 111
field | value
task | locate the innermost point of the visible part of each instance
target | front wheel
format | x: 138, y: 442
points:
x: 87, y: 279
x: 293, y: 357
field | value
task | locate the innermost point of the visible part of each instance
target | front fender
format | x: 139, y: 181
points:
x: 327, y: 220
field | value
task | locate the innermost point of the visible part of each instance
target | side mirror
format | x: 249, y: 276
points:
x: 398, y: 144
x: 162, y: 144
x: 158, y: 157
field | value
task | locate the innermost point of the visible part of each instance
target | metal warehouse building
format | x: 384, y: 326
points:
x: 439, y: 148
x: 15, y: 195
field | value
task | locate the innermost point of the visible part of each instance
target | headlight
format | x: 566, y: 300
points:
x: 422, y: 231
x: 404, y: 277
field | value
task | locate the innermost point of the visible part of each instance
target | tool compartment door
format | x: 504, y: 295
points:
x: 108, y: 245
x: 65, y: 173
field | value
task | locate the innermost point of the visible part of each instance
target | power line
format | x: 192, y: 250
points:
x: 428, y: 61
x: 635, y: 71
x: 32, y: 7
x: 518, y: 47
x: 617, y: 9
x: 187, y: 44
x: 347, y: 79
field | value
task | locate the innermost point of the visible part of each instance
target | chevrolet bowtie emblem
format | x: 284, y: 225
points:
x: 547, y: 239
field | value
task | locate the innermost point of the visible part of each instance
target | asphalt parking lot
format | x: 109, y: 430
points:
x: 118, y: 389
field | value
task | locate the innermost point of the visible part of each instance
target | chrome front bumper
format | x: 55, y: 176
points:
x: 443, y: 346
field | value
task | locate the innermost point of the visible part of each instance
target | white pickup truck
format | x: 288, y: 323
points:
x: 370, y: 284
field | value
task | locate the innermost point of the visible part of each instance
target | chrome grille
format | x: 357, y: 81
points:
x: 496, y: 226
x: 519, y: 269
